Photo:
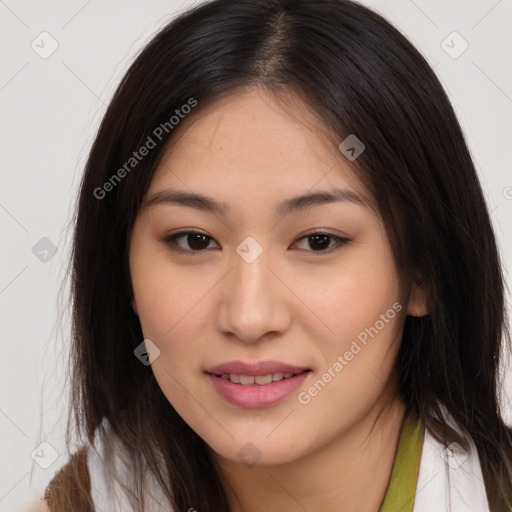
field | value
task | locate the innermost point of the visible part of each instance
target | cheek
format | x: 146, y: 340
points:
x: 151, y: 282
x: 154, y: 303
x: 354, y: 296
x: 171, y: 304
x: 360, y: 305
x: 357, y: 357
x: 172, y: 313
x: 166, y: 306
x: 360, y: 301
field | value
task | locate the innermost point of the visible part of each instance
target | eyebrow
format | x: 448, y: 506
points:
x: 294, y: 204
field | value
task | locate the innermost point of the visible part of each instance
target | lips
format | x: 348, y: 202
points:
x: 256, y: 395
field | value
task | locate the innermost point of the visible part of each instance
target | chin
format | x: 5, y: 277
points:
x: 259, y: 450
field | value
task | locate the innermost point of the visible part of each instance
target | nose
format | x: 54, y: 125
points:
x: 254, y: 301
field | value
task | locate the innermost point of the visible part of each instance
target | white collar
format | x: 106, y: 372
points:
x: 449, y: 479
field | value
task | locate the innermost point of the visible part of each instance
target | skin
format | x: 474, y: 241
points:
x: 293, y: 304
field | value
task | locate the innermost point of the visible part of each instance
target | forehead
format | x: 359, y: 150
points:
x: 250, y: 143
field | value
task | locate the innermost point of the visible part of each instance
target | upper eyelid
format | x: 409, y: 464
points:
x: 180, y: 234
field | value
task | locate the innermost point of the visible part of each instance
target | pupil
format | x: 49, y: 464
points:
x: 196, y: 241
x: 315, y: 239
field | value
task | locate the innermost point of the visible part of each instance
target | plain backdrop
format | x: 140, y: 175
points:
x: 51, y: 104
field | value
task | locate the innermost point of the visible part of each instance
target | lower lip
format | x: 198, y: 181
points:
x: 255, y: 395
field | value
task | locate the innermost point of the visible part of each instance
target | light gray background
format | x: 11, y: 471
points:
x: 50, y: 111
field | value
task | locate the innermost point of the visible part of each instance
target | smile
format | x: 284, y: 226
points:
x: 261, y: 380
x: 252, y: 391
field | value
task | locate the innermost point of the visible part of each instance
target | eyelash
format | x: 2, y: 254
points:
x: 171, y: 241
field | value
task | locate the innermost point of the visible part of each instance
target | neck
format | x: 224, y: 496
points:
x: 350, y: 473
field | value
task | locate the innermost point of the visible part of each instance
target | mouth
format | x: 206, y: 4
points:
x: 252, y: 385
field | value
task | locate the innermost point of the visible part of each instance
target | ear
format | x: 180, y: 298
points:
x: 134, y: 307
x: 418, y: 303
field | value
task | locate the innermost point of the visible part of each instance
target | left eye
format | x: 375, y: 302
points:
x: 321, y: 241
x: 198, y: 242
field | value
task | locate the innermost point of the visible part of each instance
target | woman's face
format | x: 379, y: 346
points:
x: 256, y: 287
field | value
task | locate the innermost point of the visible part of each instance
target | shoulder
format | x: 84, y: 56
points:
x: 69, y: 486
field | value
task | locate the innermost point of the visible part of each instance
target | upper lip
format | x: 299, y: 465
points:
x: 258, y: 368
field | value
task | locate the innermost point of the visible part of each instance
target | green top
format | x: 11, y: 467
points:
x: 404, y: 476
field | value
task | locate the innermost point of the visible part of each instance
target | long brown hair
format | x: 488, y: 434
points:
x: 361, y: 76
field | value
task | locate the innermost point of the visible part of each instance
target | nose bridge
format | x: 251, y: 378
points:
x: 251, y: 274
x: 252, y: 302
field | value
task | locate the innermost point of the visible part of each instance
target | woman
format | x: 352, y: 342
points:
x: 286, y: 288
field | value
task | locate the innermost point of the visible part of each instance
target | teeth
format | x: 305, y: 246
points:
x: 261, y: 380
x: 246, y: 380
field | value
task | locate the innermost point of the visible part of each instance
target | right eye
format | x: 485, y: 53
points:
x: 196, y: 241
